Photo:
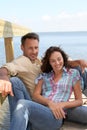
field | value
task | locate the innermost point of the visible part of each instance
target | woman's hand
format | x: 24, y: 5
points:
x: 57, y: 109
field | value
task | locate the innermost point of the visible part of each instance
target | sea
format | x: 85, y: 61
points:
x: 73, y: 43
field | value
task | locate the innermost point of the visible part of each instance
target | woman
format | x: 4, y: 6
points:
x: 52, y: 93
x: 59, y: 81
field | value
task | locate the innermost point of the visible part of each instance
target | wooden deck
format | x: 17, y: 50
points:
x: 73, y: 126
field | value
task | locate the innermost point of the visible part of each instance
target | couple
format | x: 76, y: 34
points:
x: 51, y: 90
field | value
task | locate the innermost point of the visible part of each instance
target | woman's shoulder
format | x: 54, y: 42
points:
x: 43, y: 76
x: 47, y: 75
x: 73, y: 71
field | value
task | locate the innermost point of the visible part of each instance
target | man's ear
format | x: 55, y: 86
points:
x: 22, y: 48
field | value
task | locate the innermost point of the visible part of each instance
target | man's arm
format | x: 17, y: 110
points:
x: 81, y: 63
x: 4, y: 74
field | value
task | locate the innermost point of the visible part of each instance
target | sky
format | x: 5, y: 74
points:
x: 46, y: 15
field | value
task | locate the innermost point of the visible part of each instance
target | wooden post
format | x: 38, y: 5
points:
x: 8, y: 30
x: 9, y: 49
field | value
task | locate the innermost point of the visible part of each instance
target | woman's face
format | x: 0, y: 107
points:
x: 56, y: 61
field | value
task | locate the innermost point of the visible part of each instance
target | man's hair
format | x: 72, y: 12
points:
x: 29, y: 36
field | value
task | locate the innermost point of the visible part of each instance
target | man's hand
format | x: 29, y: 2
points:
x: 5, y: 88
x: 83, y: 64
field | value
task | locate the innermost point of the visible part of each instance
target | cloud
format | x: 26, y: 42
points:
x: 12, y: 19
x: 65, y: 22
x: 46, y: 18
x: 15, y: 20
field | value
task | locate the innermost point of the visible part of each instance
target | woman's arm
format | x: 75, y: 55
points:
x: 78, y: 97
x: 37, y: 94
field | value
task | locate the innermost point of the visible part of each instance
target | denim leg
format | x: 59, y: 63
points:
x: 78, y: 114
x: 19, y: 91
x: 39, y: 116
x: 85, y: 82
x: 20, y: 118
x: 84, y: 77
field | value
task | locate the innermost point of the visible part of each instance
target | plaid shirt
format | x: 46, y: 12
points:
x: 61, y: 90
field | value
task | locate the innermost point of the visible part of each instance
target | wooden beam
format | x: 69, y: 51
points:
x: 8, y: 29
x: 9, y: 49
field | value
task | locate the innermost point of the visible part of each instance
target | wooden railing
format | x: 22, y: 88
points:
x: 7, y: 31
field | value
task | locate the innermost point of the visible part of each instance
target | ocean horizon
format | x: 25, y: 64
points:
x: 73, y: 43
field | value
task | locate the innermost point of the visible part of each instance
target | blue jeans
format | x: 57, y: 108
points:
x: 84, y: 77
x: 19, y: 91
x: 30, y: 115
x: 40, y: 117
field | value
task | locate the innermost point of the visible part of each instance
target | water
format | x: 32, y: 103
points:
x: 73, y: 43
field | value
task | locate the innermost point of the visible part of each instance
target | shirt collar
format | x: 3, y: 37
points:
x: 65, y: 71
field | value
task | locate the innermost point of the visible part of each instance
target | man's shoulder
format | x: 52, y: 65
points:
x: 38, y: 61
x: 17, y: 61
x: 21, y: 59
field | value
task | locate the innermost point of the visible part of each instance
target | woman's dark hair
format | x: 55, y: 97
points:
x: 46, y: 67
x: 29, y: 36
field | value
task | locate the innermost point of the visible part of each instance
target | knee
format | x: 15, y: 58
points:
x: 20, y: 104
x: 16, y: 82
x: 21, y: 109
x: 23, y: 103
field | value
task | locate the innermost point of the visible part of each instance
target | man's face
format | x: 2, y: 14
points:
x: 30, y: 49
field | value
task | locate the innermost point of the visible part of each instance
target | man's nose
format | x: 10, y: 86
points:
x: 34, y: 50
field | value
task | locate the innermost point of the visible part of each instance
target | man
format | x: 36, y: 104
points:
x: 26, y: 68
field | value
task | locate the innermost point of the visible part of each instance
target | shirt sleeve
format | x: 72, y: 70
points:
x: 17, y: 66
x: 11, y: 68
x: 41, y: 76
x: 76, y: 77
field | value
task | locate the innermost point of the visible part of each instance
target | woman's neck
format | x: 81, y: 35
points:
x: 58, y: 75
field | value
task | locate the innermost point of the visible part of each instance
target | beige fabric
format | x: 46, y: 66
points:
x: 25, y: 70
x: 4, y: 115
